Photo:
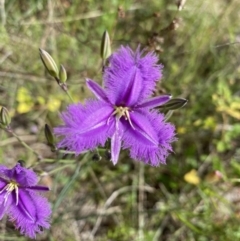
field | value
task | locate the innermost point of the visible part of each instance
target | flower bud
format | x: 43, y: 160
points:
x: 5, y: 118
x: 173, y: 104
x: 105, y: 50
x: 22, y: 163
x: 96, y: 157
x: 62, y: 74
x: 49, y: 63
x: 180, y: 4
x: 49, y: 136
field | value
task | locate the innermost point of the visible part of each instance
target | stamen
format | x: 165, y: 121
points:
x: 9, y: 188
x: 129, y: 119
x: 4, y: 188
x: 122, y: 111
x: 17, y: 195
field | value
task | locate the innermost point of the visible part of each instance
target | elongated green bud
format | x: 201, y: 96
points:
x: 49, y: 136
x: 62, y: 74
x: 174, y: 104
x: 105, y: 50
x: 5, y: 118
x: 49, y: 63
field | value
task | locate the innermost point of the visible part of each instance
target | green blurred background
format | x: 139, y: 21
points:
x: 196, y: 196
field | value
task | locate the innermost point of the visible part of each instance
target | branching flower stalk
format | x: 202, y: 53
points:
x: 9, y: 130
x: 5, y: 121
x: 59, y: 75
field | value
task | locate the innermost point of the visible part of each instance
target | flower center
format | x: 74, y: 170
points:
x: 9, y: 188
x: 120, y: 111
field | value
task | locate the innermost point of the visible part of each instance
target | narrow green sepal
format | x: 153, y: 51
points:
x: 62, y: 74
x: 49, y: 63
x: 105, y: 50
x: 5, y: 118
x: 168, y: 115
x: 173, y: 104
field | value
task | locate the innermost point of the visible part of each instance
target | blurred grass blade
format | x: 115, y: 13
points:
x: 66, y: 188
x: 173, y: 104
x: 187, y: 223
x: 49, y: 63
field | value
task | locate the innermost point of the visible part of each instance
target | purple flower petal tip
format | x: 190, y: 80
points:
x: 123, y: 111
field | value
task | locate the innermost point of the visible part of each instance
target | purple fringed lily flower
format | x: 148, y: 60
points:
x: 21, y: 201
x: 122, y: 112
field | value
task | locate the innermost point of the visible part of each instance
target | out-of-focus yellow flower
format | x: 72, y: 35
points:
x: 181, y: 130
x: 25, y: 101
x: 192, y: 177
x: 24, y: 107
x: 23, y: 95
x: 41, y: 100
x: 53, y: 104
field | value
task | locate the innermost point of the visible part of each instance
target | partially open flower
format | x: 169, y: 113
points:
x: 21, y: 201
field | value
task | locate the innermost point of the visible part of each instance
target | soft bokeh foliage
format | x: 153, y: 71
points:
x: 199, y: 48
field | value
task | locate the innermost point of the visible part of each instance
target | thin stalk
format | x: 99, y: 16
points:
x: 141, y: 197
x: 69, y: 95
x: 23, y: 143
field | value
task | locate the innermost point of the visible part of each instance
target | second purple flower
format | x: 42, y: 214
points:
x: 122, y: 111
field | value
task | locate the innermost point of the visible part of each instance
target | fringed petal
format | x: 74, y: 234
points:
x: 154, y: 102
x: 4, y: 203
x: 97, y: 90
x: 130, y: 77
x: 150, y: 141
x: 32, y: 213
x: 23, y: 176
x: 116, y: 142
x: 85, y: 127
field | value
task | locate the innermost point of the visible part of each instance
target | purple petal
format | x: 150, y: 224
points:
x: 125, y: 67
x: 31, y: 214
x: 85, y: 127
x: 155, y: 102
x: 153, y: 146
x: 97, y: 90
x: 132, y: 89
x: 22, y: 175
x: 4, y: 171
x: 37, y: 188
x: 116, y: 141
x: 144, y: 127
x: 4, y: 204
x: 3, y: 182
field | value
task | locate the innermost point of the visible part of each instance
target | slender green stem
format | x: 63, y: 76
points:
x: 23, y: 143
x: 64, y: 88
x: 62, y: 161
x: 66, y: 152
x: 69, y: 95
x: 60, y: 168
x: 98, y: 150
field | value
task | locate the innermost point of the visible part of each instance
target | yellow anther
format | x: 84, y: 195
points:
x: 10, y: 187
x: 123, y: 111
